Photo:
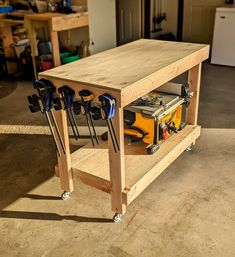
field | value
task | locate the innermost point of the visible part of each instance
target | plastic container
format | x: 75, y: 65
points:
x: 46, y: 65
x: 6, y: 9
x: 44, y: 48
x: 68, y: 57
x: 45, y: 62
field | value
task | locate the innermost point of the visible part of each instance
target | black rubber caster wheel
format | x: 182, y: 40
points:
x: 104, y: 136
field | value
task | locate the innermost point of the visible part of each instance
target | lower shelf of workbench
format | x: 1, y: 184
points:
x: 91, y: 165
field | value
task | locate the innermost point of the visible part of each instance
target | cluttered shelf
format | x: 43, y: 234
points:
x: 11, y: 21
x: 140, y: 168
x: 12, y: 35
x: 53, y: 23
x: 41, y: 21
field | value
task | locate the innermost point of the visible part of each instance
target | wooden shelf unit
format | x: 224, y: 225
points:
x: 54, y: 23
x: 7, y: 36
x: 127, y: 73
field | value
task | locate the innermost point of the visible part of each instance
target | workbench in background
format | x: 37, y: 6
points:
x: 51, y: 24
x: 127, y: 73
x: 7, y: 38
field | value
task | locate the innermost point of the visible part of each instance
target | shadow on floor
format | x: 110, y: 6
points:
x: 41, y: 197
x: 26, y: 162
x: 50, y: 216
x: 7, y: 87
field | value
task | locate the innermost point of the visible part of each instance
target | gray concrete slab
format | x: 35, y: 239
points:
x: 188, y: 211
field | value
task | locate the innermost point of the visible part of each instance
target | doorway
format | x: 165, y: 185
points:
x: 198, y: 20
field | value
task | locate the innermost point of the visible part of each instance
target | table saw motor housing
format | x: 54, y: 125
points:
x: 156, y: 116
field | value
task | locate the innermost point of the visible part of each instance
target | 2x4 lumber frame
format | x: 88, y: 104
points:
x: 112, y: 76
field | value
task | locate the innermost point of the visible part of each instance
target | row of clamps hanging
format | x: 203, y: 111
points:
x: 48, y: 99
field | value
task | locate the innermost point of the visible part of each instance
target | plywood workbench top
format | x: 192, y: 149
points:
x: 122, y: 66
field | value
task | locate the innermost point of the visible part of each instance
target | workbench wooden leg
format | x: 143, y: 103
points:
x: 6, y: 31
x: 64, y: 161
x: 33, y: 44
x: 117, y: 165
x: 55, y: 48
x: 194, y: 80
x: 34, y: 67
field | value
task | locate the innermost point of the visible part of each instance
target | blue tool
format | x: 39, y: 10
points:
x: 86, y: 99
x: 44, y: 102
x: 107, y: 112
x: 65, y: 102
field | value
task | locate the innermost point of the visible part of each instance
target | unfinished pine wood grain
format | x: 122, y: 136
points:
x: 42, y: 16
x: 141, y: 168
x: 169, y: 152
x: 11, y: 22
x: 117, y: 163
x: 78, y: 87
x: 55, y: 48
x: 135, y: 68
x: 64, y: 161
x: 93, y: 181
x: 127, y: 73
x: 194, y: 81
x: 71, y: 21
x: 31, y: 33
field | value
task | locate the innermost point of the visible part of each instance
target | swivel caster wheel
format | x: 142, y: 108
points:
x: 65, y: 195
x: 104, y: 136
x: 189, y: 148
x: 117, y: 217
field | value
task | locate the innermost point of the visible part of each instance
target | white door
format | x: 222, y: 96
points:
x: 129, y: 20
x: 102, y: 25
x: 199, y: 16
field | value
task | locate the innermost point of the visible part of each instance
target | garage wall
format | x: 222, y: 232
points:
x: 199, y: 20
x: 170, y: 7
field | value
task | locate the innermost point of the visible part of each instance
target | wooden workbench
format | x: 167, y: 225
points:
x: 6, y: 31
x: 54, y: 23
x: 127, y: 73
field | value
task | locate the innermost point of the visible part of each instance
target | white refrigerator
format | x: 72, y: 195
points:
x: 223, y: 47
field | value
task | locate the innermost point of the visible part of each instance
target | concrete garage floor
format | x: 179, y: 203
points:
x: 189, y: 211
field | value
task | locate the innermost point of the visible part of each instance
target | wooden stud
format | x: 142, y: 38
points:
x: 64, y: 161
x: 57, y: 171
x: 168, y: 154
x: 194, y: 80
x: 91, y: 165
x: 67, y: 22
x: 117, y: 164
x: 31, y: 33
x: 55, y: 48
x: 7, y: 37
